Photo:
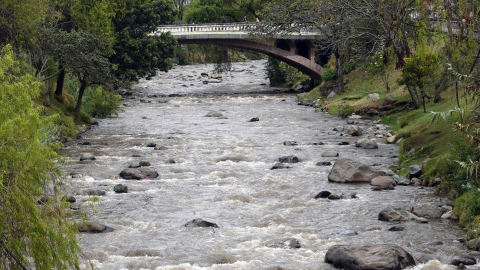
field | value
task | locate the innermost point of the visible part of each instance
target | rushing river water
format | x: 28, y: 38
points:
x: 219, y: 169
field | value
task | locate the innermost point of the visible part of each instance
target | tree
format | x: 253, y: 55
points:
x: 205, y: 11
x: 419, y: 71
x: 31, y: 234
x: 138, y: 54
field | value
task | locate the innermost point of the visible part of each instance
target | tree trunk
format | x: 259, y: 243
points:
x: 60, y: 82
x: 339, y: 61
x: 440, y: 86
x: 456, y: 94
x: 83, y: 85
x: 413, y: 95
x: 449, y: 24
x: 47, y: 93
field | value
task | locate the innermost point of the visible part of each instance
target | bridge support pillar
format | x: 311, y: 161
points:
x: 314, y: 82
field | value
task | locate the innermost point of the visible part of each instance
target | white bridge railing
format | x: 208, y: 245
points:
x: 224, y: 27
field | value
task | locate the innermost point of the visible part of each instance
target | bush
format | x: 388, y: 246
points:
x: 274, y: 72
x: 100, y: 103
x: 347, y: 68
x: 329, y: 75
x: 467, y: 206
x: 347, y: 111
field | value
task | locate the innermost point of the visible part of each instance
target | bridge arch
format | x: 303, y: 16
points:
x: 305, y: 65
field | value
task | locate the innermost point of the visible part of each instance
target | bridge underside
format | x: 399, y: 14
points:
x: 283, y: 52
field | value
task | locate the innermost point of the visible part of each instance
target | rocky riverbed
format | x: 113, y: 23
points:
x: 208, y: 171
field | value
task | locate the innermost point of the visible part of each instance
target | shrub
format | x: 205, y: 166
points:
x: 100, y: 103
x: 349, y: 67
x: 347, y: 111
x: 467, y: 206
x: 329, y: 75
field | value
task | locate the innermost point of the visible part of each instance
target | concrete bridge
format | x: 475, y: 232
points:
x: 297, y: 49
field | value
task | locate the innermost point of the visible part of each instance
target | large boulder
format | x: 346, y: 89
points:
x: 349, y: 171
x: 396, y: 214
x: 377, y: 257
x: 383, y: 181
x: 354, y: 130
x: 133, y: 174
x: 428, y: 210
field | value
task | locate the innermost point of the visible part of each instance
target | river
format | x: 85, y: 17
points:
x: 219, y: 170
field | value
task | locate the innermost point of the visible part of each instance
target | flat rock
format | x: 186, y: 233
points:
x: 349, y: 171
x: 377, y: 257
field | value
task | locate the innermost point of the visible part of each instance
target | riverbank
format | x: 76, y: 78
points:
x: 435, y: 145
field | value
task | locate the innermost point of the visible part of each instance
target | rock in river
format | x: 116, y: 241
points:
x: 133, y: 174
x: 377, y: 257
x: 198, y: 222
x: 288, y: 159
x: 349, y: 171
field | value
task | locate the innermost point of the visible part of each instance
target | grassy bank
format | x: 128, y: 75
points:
x: 437, y: 144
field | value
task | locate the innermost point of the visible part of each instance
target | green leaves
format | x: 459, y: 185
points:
x: 138, y: 54
x: 27, y: 168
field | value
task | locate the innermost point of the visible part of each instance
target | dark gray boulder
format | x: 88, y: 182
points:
x: 254, y: 119
x: 132, y: 174
x: 463, y: 260
x: 120, y: 188
x: 288, y: 159
x: 377, y: 257
x: 198, y: 222
x: 323, y: 194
